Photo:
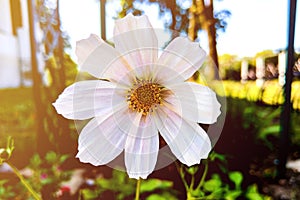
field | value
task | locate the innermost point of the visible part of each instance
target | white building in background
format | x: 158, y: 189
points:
x: 14, y: 43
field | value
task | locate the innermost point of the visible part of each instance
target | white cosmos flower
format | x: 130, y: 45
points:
x: 137, y: 97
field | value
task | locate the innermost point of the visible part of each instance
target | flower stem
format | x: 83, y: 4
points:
x: 181, y: 173
x: 203, y: 175
x: 24, y: 182
x: 138, y: 187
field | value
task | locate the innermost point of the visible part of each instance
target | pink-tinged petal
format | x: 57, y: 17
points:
x: 136, y: 40
x: 141, y: 148
x: 187, y: 140
x: 100, y: 59
x: 86, y: 46
x: 101, y: 140
x: 181, y: 56
x: 86, y: 99
x: 198, y: 102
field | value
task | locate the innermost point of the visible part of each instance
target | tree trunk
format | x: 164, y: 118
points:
x: 211, y: 33
x: 63, y: 126
x: 192, y: 22
x: 42, y: 142
x: 207, y: 20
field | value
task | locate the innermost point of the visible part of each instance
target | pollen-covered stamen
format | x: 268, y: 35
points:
x: 144, y: 97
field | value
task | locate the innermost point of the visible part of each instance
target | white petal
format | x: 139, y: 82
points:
x: 198, y: 103
x: 187, y: 140
x: 96, y: 57
x: 100, y: 141
x: 135, y: 39
x: 86, y: 46
x: 86, y: 99
x: 182, y: 56
x: 141, y: 148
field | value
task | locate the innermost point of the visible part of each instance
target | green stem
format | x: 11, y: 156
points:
x: 203, y: 176
x: 181, y: 173
x: 24, y: 182
x: 138, y: 188
x: 192, y: 182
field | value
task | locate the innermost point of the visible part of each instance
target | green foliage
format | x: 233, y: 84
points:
x: 46, y: 174
x: 16, y: 114
x: 263, y: 122
x: 236, y: 177
x: 179, y: 13
x: 17, y: 118
x: 253, y: 194
x: 215, y: 187
x: 70, y: 70
x: 162, y: 196
x: 6, y: 153
x: 155, y: 184
x: 192, y: 170
x: 6, y: 192
x: 213, y: 184
x: 124, y: 187
x: 229, y: 66
x: 265, y: 54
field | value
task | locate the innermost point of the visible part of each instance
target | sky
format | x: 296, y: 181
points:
x: 254, y: 25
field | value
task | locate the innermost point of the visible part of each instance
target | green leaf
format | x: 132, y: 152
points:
x: 232, y: 195
x: 253, y: 194
x: 89, y: 194
x: 35, y: 161
x: 221, y: 157
x: 223, y: 168
x: 10, y: 146
x: 51, y: 157
x: 2, y: 182
x: 252, y: 189
x: 154, y: 184
x: 63, y: 158
x: 192, y: 170
x: 106, y: 184
x: 155, y: 197
x: 46, y: 181
x: 218, y: 193
x: 216, y: 176
x: 163, y: 196
x: 119, y: 176
x: 2, y: 191
x: 236, y: 177
x: 270, y: 130
x: 265, y: 132
x: 212, y: 185
x: 274, y: 129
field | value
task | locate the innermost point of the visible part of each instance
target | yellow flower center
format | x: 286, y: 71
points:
x: 145, y: 96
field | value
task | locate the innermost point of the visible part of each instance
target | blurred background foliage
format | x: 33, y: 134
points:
x: 243, y: 168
